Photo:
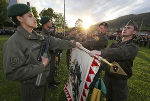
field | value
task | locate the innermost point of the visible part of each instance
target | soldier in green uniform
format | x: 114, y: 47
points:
x: 21, y: 50
x: 72, y: 36
x: 46, y: 26
x: 124, y: 53
x: 98, y: 43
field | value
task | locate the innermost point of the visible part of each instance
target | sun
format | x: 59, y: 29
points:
x: 87, y: 22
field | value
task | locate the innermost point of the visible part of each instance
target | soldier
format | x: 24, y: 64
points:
x: 72, y: 36
x: 21, y: 50
x: 145, y: 40
x: 124, y: 53
x: 99, y: 42
x: 47, y: 32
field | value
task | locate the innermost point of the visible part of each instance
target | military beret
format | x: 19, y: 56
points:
x: 17, y: 10
x: 44, y: 20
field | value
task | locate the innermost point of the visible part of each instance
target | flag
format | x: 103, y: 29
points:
x: 82, y: 70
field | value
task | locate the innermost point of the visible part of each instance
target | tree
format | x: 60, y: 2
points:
x: 3, y: 11
x: 49, y: 12
x: 35, y: 13
x: 79, y: 23
x: 57, y: 18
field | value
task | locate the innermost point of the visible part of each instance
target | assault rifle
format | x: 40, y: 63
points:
x: 41, y: 78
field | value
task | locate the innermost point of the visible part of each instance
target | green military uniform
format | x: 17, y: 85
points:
x: 124, y: 54
x: 96, y: 43
x: 20, y: 54
x: 70, y: 37
x: 52, y: 67
x: 20, y: 62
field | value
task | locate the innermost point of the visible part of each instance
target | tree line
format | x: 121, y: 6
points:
x: 57, y: 18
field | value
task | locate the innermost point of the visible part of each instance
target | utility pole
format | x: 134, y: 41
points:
x: 64, y: 18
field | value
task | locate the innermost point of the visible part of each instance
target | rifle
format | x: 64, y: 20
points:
x: 41, y: 78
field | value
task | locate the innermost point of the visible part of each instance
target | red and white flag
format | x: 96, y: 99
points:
x: 82, y: 70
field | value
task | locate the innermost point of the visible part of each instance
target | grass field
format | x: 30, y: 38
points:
x: 139, y: 83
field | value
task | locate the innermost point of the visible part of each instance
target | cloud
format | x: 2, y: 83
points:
x: 97, y: 10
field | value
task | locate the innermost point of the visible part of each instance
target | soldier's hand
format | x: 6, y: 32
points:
x: 79, y: 45
x: 94, y: 52
x: 45, y: 61
x: 71, y: 41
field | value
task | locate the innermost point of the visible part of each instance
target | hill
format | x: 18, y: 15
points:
x: 119, y: 22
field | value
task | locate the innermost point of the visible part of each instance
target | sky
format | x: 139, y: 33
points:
x: 92, y: 11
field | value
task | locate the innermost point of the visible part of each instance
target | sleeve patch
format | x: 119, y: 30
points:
x: 14, y: 61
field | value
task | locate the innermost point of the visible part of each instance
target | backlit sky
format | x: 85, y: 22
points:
x: 92, y: 11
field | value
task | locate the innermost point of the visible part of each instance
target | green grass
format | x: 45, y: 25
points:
x: 139, y: 83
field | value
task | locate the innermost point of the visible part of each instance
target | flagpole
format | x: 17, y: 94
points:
x: 64, y: 18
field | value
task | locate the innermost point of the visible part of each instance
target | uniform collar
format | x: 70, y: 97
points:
x: 126, y: 42
x: 31, y: 36
x: 44, y: 31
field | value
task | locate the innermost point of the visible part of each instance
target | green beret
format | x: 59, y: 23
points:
x: 17, y: 10
x: 44, y: 20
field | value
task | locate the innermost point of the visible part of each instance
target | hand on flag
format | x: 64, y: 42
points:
x: 94, y: 52
x: 79, y: 45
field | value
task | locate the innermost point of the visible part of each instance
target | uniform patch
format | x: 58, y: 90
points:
x: 14, y: 61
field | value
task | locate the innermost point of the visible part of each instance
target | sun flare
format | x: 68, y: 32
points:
x: 87, y: 22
